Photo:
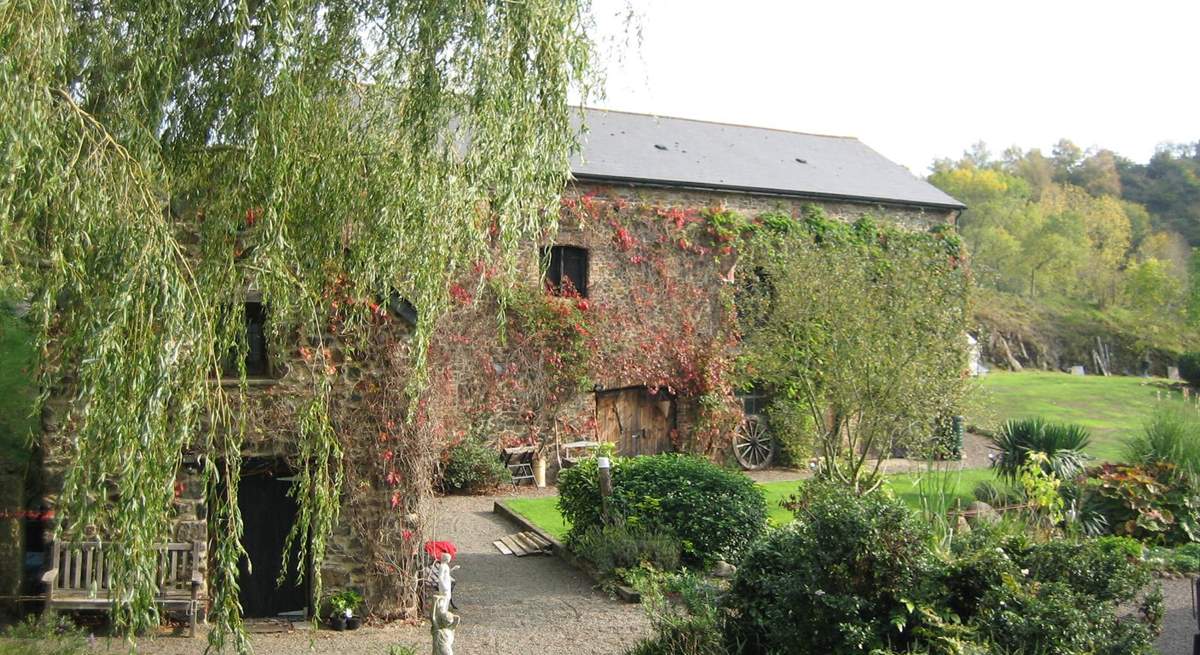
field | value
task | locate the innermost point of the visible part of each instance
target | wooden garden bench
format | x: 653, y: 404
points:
x: 78, y: 578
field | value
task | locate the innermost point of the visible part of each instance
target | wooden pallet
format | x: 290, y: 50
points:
x: 522, y: 544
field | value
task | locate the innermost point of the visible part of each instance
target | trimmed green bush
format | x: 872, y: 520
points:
x: 834, y: 580
x: 1189, y: 367
x: 473, y: 465
x: 715, y: 513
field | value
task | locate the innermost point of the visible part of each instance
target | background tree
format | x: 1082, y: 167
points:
x: 161, y: 156
x: 861, y: 328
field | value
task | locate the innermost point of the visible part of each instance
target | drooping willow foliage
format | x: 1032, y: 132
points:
x: 160, y: 158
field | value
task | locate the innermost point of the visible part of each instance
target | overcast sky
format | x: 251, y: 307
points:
x: 920, y: 79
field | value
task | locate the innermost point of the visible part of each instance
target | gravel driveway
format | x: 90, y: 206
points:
x: 508, y: 605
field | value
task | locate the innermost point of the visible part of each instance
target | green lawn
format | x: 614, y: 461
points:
x: 543, y: 511
x: 1110, y: 407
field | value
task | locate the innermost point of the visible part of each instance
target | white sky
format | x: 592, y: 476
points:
x: 919, y: 79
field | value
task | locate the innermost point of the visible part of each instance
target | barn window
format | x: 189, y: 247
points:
x: 258, y: 364
x: 568, y: 269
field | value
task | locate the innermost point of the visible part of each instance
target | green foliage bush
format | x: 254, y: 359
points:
x: 691, y: 622
x: 48, y: 634
x: 794, y: 430
x: 715, y: 513
x: 833, y: 580
x: 1010, y: 590
x: 473, y: 465
x: 1180, y: 559
x: 900, y: 298
x: 1063, y: 445
x: 1189, y: 367
x: 1153, y: 502
x: 1171, y: 435
x: 615, y: 548
x: 859, y: 574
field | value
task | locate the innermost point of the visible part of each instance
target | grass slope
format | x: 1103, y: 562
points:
x: 1109, y: 407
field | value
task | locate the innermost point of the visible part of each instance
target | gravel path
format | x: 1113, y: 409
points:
x: 1178, y: 624
x: 508, y: 605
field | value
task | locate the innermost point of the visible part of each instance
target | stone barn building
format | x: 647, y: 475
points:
x: 643, y: 260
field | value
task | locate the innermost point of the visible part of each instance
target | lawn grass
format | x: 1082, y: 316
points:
x: 1109, y: 407
x: 543, y: 511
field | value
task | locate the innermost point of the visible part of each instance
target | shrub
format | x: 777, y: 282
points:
x: 1062, y: 444
x: 1106, y: 569
x: 47, y: 634
x: 692, y: 626
x: 1171, y: 435
x: 472, y: 466
x: 838, y: 579
x: 1189, y: 367
x: 613, y: 548
x: 794, y: 430
x: 715, y: 513
x: 1180, y: 559
x: 1058, y: 621
x: 1149, y: 502
x: 1015, y: 592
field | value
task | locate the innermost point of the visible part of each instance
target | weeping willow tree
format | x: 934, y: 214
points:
x: 162, y: 157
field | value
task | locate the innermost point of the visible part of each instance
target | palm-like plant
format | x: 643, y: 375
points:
x: 1062, y: 444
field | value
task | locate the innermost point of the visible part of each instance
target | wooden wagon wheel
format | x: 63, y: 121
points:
x: 752, y: 444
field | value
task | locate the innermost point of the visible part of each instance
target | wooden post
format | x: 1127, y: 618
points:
x: 605, y: 485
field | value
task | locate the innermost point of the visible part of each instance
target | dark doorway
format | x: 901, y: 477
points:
x: 267, y: 516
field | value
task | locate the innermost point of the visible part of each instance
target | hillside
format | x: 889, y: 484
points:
x: 1055, y: 333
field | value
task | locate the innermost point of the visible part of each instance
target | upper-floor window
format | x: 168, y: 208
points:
x: 258, y: 364
x: 568, y: 269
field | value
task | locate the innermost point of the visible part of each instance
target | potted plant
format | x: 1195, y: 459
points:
x: 342, y: 606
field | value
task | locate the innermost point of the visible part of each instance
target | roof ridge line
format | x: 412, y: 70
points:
x: 727, y: 124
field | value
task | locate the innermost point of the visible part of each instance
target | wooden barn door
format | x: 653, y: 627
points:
x: 639, y: 422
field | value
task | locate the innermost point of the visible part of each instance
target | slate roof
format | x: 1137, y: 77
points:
x: 640, y: 148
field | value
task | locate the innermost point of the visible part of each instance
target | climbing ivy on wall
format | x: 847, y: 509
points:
x: 162, y: 156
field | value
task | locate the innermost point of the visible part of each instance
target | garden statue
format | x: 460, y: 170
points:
x: 443, y: 625
x: 445, y: 583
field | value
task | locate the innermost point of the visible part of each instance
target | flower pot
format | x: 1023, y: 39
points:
x: 337, y: 622
x: 352, y: 622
